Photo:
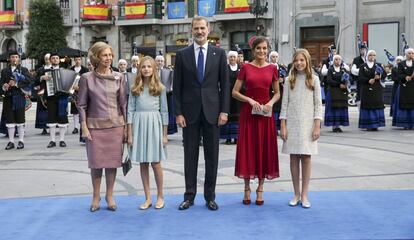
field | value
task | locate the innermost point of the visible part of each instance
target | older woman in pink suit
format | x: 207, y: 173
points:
x: 102, y: 111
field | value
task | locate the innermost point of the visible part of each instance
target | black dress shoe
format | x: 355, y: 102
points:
x: 228, y: 141
x: 51, y: 144
x: 62, y: 144
x: 9, y: 146
x: 185, y: 205
x: 44, y: 132
x: 20, y: 145
x: 75, y: 131
x: 212, y: 205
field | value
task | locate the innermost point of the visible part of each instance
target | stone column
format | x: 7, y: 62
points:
x: 347, y: 29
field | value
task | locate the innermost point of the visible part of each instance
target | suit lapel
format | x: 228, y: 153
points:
x: 211, y: 53
x: 191, y: 57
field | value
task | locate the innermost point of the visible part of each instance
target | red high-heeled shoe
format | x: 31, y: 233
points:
x: 259, y: 202
x: 247, y: 201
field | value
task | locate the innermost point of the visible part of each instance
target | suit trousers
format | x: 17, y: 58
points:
x: 191, y: 135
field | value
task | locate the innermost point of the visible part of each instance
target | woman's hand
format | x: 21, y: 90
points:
x: 316, y: 133
x: 125, y: 139
x: 267, y: 108
x: 342, y: 86
x: 129, y: 140
x: 283, y: 133
x: 255, y: 105
x: 86, y: 134
x: 164, y: 141
x: 371, y: 81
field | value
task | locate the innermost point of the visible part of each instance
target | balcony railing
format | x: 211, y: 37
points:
x: 101, y: 12
x: 132, y: 10
x: 221, y: 8
x: 10, y: 20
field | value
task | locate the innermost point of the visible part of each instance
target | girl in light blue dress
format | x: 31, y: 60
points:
x: 147, y: 127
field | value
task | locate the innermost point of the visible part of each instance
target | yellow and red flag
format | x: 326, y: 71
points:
x: 232, y: 6
x: 96, y: 12
x: 7, y: 18
x: 135, y: 10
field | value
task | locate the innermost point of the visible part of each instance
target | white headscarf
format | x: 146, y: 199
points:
x: 232, y: 53
x: 409, y: 62
x: 370, y: 64
x: 271, y: 54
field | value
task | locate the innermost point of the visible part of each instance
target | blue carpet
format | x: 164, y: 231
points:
x: 334, y: 215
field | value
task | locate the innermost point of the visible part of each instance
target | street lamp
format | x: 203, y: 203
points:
x: 258, y: 8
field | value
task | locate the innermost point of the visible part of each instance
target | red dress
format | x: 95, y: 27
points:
x: 257, y: 155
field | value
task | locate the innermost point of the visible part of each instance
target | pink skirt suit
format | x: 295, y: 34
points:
x: 102, y: 104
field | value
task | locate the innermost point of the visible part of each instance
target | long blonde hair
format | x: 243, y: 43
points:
x: 155, y: 85
x: 308, y: 69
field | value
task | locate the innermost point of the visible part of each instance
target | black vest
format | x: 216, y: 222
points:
x: 406, y: 87
x: 339, y: 97
x: 371, y: 95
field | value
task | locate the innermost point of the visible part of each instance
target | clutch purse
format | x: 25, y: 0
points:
x: 126, y: 165
x: 261, y: 112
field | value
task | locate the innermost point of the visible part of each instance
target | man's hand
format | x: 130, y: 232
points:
x: 45, y: 78
x: 6, y: 87
x: 371, y: 81
x: 180, y: 120
x: 222, y: 119
x: 12, y: 83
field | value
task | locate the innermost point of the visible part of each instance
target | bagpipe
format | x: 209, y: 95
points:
x: 404, y: 42
x: 282, y: 72
x: 361, y: 44
x: 379, y: 71
x: 19, y: 100
x: 26, y: 90
x: 390, y: 57
x: 330, y: 56
x: 345, y: 78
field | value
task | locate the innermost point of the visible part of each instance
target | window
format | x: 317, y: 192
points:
x: 383, y: 35
x: 318, y: 33
x: 8, y: 5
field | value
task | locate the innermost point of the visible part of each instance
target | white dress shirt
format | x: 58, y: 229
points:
x: 196, y: 52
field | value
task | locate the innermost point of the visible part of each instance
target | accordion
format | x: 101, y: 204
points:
x: 61, y: 80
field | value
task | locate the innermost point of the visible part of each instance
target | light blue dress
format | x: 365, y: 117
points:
x: 147, y: 114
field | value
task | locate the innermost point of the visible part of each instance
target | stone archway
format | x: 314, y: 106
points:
x: 9, y: 45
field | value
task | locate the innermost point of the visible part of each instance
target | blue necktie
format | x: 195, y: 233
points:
x: 200, y: 65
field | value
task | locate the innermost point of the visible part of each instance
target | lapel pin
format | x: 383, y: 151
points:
x: 214, y: 53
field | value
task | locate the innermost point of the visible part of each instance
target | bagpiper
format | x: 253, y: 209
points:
x: 15, y: 82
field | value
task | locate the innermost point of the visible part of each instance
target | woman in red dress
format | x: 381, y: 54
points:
x: 257, y: 155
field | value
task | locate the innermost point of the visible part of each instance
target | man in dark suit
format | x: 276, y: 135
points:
x: 201, y: 100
